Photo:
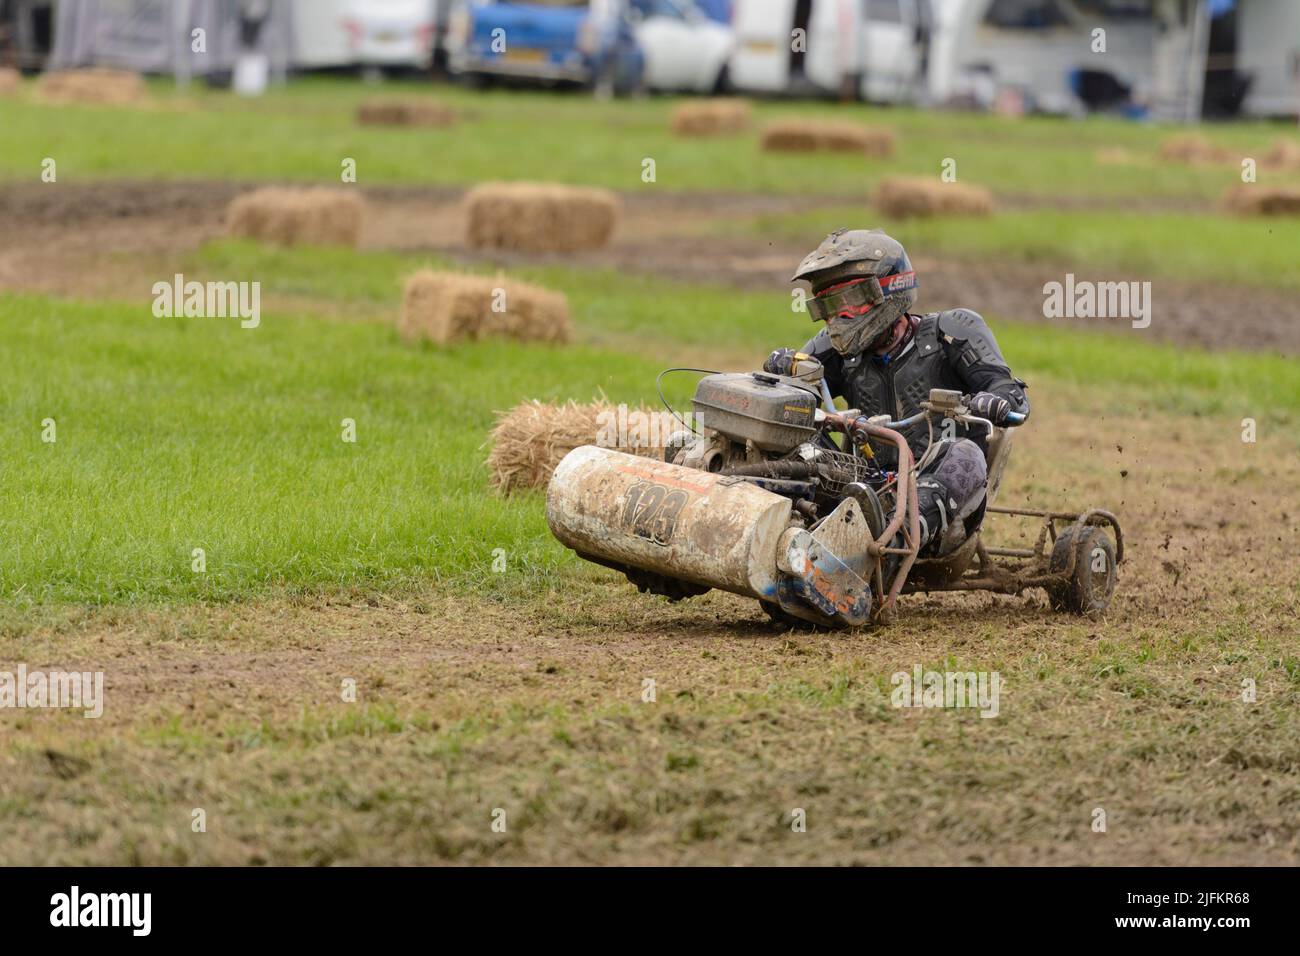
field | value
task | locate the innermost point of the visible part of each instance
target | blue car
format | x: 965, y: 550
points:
x: 585, y: 42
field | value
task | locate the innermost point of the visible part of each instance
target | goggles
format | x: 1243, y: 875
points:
x: 857, y: 296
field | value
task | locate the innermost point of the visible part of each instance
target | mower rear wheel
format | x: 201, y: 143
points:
x: 1090, y: 585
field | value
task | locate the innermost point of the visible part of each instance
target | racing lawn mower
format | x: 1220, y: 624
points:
x: 762, y: 501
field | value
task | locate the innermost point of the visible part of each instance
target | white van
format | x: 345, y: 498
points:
x: 870, y: 49
x: 376, y: 33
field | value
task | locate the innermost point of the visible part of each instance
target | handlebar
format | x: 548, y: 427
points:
x: 1011, y: 420
x: 845, y: 422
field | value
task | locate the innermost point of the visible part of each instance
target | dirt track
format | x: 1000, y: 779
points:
x: 66, y: 235
x: 532, y: 703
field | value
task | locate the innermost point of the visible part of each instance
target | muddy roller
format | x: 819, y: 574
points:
x: 711, y: 530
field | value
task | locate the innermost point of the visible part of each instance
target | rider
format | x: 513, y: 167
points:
x: 883, y: 361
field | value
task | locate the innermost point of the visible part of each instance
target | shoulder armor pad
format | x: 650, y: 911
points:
x: 963, y: 325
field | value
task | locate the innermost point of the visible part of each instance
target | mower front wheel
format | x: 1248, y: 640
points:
x: 1091, y: 583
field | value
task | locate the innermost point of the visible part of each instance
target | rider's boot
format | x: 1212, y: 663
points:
x: 935, y: 505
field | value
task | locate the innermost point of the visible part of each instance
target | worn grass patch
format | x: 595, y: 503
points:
x: 537, y: 710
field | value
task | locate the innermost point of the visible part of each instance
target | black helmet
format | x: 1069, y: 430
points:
x: 862, y: 281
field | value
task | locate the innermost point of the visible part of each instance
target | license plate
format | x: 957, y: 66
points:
x: 387, y: 36
x: 760, y: 46
x: 524, y: 56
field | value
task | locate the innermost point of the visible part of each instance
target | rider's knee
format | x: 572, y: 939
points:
x: 962, y: 469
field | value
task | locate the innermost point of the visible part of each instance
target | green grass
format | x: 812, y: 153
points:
x: 175, y: 434
x: 305, y: 130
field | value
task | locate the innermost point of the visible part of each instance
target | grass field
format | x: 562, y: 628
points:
x: 175, y: 434
x: 330, y: 562
x: 302, y: 132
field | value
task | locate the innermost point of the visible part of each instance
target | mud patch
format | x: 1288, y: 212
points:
x: 103, y: 239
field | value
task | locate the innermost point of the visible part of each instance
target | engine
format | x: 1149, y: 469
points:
x: 748, y: 417
x: 763, y: 429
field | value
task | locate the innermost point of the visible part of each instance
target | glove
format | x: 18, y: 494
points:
x: 781, y: 362
x: 990, y: 406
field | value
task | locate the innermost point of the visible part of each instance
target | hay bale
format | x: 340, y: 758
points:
x: 539, y: 217
x: 409, y: 111
x: 1192, y: 149
x: 904, y: 196
x: 287, y: 217
x: 1285, y: 154
x: 715, y: 117
x: 790, y: 136
x: 1255, y: 200
x: 446, y: 307
x: 806, y: 136
x: 1113, y: 156
x: 98, y: 86
x: 529, y: 440
x: 10, y: 81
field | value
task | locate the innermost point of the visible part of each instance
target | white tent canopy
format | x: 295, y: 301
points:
x: 158, y: 36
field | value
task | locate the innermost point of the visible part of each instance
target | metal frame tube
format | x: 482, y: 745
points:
x: 904, y: 507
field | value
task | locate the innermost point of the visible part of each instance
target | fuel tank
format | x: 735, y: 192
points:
x: 721, y: 532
